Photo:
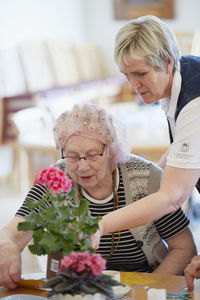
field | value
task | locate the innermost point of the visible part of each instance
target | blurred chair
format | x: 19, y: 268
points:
x: 37, y: 69
x: 140, y: 121
x: 184, y: 39
x: 91, y: 61
x: 12, y: 81
x: 1, y: 120
x: 35, y: 145
x: 6, y: 155
x: 62, y: 57
x: 195, y: 48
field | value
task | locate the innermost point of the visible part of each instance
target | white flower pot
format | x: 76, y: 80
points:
x: 96, y: 296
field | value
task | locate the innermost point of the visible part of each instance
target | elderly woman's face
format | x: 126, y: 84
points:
x: 90, y: 172
x: 150, y: 83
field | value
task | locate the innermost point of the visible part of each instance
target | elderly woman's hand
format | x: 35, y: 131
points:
x: 10, y: 265
x: 95, y: 238
x: 192, y: 271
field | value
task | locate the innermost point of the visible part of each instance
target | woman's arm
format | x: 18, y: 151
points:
x: 162, y: 162
x: 176, y: 185
x: 12, y: 242
x: 192, y: 271
x: 181, y: 251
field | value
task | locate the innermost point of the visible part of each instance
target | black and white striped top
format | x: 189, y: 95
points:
x: 128, y: 255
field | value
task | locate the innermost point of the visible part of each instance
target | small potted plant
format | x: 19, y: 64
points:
x: 80, y: 277
x: 59, y: 226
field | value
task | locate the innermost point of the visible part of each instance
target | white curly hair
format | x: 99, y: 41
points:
x: 91, y: 120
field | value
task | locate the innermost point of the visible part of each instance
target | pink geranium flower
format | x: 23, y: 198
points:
x: 55, y: 179
x: 83, y: 263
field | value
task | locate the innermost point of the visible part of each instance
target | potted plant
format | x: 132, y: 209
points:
x: 80, y: 277
x: 59, y: 226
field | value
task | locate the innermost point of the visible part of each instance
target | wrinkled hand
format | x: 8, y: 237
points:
x: 95, y: 239
x: 10, y: 265
x: 192, y: 271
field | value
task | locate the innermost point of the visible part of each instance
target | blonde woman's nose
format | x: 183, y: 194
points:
x: 134, y: 84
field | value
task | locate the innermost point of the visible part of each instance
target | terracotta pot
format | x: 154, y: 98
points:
x: 53, y: 263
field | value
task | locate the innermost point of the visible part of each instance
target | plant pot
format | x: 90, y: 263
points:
x: 53, y: 263
x: 96, y: 296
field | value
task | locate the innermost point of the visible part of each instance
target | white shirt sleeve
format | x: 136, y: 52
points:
x: 185, y: 150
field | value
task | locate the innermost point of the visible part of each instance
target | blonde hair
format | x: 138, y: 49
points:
x: 150, y: 38
x: 93, y: 121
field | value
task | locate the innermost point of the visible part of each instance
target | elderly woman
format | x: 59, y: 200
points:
x: 95, y: 154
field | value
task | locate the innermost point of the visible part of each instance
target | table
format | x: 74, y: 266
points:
x: 173, y: 284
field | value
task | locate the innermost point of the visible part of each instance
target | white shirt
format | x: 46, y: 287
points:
x: 185, y: 150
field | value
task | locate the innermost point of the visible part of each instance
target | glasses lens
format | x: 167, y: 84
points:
x: 72, y: 159
x: 89, y: 157
x: 94, y: 157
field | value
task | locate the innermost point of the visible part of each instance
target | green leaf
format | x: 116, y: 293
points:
x: 52, y: 281
x: 25, y: 226
x: 66, y: 286
x: 88, y: 289
x: 35, y: 249
x: 68, y: 247
x: 72, y: 194
x: 34, y: 204
x: 50, y: 243
x: 103, y: 288
x: 82, y: 208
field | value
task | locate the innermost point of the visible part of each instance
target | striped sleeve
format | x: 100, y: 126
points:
x: 171, y: 224
x: 35, y: 194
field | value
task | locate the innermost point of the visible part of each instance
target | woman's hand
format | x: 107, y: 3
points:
x: 95, y: 238
x: 10, y: 265
x: 192, y: 271
x: 12, y: 242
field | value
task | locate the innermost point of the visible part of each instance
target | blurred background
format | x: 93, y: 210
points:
x: 55, y: 53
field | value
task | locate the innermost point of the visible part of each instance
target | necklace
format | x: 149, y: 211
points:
x: 115, y: 206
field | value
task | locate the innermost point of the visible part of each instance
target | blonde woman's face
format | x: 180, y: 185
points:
x: 89, y: 174
x: 150, y: 83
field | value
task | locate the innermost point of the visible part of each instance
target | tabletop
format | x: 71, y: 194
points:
x: 175, y: 286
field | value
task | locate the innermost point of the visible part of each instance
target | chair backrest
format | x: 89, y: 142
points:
x: 63, y: 61
x: 12, y: 80
x: 1, y: 120
x: 92, y: 62
x: 195, y: 49
x: 34, y: 125
x: 37, y: 70
x: 184, y: 39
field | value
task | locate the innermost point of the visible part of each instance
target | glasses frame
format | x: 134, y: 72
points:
x: 83, y: 157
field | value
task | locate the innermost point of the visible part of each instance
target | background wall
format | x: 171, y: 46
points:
x: 105, y: 27
x: 82, y: 20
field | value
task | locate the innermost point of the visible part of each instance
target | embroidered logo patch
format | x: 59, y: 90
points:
x: 184, y: 147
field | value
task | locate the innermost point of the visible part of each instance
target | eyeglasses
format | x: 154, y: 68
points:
x: 89, y: 157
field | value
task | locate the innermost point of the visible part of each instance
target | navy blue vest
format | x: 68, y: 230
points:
x: 190, y: 87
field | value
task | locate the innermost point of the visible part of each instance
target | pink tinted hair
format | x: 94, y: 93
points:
x: 91, y: 120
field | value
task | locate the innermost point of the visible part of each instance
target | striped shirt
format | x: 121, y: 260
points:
x: 128, y: 255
